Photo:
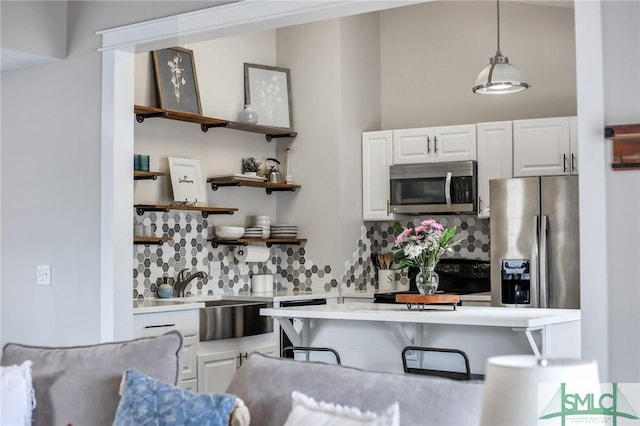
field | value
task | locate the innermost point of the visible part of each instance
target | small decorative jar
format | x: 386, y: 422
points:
x: 248, y: 115
x: 427, y: 280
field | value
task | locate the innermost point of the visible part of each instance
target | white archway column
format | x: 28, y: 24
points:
x: 116, y: 189
x: 593, y: 212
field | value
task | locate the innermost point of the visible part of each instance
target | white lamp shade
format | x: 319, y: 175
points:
x: 505, y: 79
x: 511, y: 386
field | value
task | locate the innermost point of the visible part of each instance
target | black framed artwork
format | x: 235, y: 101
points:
x: 176, y: 80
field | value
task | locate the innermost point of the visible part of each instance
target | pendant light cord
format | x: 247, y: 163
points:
x: 498, y: 15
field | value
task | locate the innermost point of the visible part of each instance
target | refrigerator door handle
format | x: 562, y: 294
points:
x: 534, y: 263
x: 544, y: 282
x: 447, y: 189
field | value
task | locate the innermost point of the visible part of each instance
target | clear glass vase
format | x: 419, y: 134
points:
x: 427, y: 280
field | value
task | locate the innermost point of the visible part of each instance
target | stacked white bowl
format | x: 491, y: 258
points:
x: 229, y: 232
x: 262, y: 222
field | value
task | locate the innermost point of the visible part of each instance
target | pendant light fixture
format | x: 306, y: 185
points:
x: 500, y: 77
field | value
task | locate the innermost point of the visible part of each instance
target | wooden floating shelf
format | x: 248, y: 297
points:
x: 151, y: 240
x: 269, y: 187
x: 142, y: 175
x: 142, y: 112
x: 626, y: 146
x: 269, y: 132
x: 205, y: 210
x: 245, y: 241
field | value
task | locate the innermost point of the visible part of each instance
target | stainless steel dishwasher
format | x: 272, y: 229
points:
x: 284, y: 340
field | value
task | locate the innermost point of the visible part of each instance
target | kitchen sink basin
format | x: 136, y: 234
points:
x: 226, y: 319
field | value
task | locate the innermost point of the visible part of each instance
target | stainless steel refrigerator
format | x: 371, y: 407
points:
x: 535, y: 245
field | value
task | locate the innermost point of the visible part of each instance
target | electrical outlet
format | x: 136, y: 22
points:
x: 214, y: 269
x: 244, y: 268
x: 44, y: 275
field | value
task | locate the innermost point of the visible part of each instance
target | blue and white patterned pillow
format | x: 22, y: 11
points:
x: 149, y: 401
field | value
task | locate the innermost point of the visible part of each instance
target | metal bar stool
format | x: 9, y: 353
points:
x: 289, y: 352
x: 440, y: 362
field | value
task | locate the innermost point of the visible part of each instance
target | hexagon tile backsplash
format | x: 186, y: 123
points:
x: 378, y: 237
x: 189, y: 248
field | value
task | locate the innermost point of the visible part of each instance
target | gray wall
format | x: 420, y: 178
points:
x: 46, y: 35
x: 432, y: 53
x: 51, y: 180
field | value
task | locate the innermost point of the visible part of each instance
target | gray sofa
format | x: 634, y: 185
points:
x: 265, y: 384
x: 79, y: 385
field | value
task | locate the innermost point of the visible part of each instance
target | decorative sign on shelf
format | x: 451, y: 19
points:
x: 186, y: 180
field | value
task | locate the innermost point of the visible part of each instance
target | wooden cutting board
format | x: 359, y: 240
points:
x: 428, y: 299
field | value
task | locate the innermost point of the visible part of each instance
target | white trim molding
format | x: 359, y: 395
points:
x: 231, y: 19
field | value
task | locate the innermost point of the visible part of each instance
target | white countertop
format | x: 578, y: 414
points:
x: 195, y: 302
x: 464, y: 315
x: 280, y: 296
x: 146, y: 306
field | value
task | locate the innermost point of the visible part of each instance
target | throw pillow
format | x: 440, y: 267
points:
x: 149, y: 401
x: 16, y: 395
x: 79, y: 385
x: 306, y: 411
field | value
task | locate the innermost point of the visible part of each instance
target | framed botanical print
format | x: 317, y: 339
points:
x: 176, y: 80
x: 268, y: 90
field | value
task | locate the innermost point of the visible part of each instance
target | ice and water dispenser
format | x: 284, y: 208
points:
x: 515, y: 281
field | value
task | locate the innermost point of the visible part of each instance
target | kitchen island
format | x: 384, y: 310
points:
x: 371, y: 336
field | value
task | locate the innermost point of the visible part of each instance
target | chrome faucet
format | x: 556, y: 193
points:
x: 184, y: 278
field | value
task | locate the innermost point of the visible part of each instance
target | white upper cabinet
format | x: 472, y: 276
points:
x: 377, y: 156
x: 544, y: 147
x: 434, y: 144
x: 495, y: 159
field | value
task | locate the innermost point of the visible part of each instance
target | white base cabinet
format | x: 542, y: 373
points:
x: 495, y: 159
x: 377, y: 156
x: 545, y: 146
x: 187, y: 322
x: 219, y: 360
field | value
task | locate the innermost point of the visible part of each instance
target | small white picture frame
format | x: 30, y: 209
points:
x: 186, y: 180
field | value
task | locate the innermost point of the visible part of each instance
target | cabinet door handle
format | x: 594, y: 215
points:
x: 238, y: 361
x: 435, y: 144
x: 573, y: 163
x: 159, y: 326
x: 564, y: 163
x: 479, y: 204
x: 428, y: 145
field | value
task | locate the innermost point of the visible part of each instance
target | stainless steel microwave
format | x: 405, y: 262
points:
x: 442, y: 188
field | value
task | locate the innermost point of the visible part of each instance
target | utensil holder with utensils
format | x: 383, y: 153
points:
x: 386, y: 275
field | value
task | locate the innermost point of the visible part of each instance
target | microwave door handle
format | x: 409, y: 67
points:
x: 447, y: 189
